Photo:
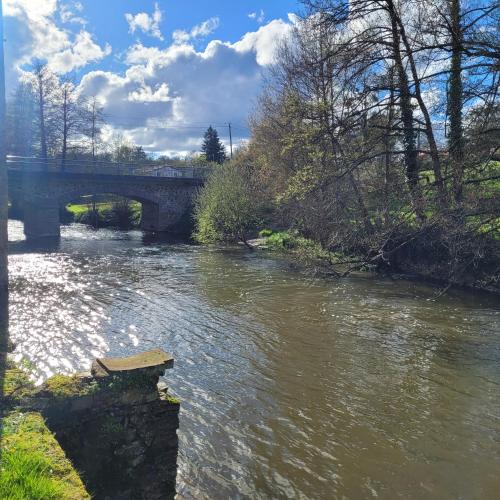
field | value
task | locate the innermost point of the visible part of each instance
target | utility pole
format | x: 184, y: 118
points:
x: 4, y: 276
x: 231, y: 140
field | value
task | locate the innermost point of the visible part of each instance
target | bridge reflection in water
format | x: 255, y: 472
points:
x: 38, y: 188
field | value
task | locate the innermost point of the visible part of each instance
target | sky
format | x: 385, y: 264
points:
x: 164, y: 70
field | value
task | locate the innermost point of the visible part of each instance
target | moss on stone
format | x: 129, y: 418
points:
x: 32, y: 464
x: 16, y: 383
x: 172, y: 399
x: 69, y: 386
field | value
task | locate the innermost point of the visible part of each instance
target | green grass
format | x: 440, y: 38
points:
x: 16, y: 383
x: 105, y: 213
x: 78, y: 210
x: 32, y: 464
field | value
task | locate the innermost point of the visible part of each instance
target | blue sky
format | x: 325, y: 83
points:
x: 158, y: 67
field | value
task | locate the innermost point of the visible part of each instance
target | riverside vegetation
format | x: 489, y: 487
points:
x: 119, y: 213
x: 376, y: 141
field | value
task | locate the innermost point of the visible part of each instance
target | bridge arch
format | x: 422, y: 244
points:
x: 166, y: 202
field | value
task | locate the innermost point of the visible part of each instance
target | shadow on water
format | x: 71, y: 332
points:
x: 43, y: 245
x: 164, y: 238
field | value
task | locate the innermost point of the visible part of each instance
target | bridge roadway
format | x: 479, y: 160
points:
x: 166, y: 201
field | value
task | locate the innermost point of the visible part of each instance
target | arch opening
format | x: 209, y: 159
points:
x: 104, y: 210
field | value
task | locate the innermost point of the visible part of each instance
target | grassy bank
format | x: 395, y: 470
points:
x: 307, y: 252
x: 33, y: 465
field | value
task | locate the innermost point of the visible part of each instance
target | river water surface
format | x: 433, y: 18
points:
x: 291, y: 387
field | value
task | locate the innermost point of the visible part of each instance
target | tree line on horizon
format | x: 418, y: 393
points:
x: 48, y: 118
x: 377, y: 136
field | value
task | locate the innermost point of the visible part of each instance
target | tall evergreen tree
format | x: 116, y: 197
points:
x: 212, y: 147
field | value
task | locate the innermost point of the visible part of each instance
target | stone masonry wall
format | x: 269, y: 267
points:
x: 118, y: 427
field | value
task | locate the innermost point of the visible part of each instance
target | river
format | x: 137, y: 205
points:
x: 291, y: 387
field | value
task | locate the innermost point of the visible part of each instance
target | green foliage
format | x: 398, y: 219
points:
x: 112, y: 430
x: 303, y: 248
x: 212, y: 148
x: 32, y: 464
x: 280, y: 240
x: 172, y: 399
x: 265, y: 233
x: 122, y: 214
x: 225, y: 209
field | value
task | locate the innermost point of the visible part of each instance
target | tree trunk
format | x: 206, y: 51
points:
x: 436, y: 163
x: 388, y: 156
x: 410, y: 151
x: 455, y: 101
x: 65, y: 130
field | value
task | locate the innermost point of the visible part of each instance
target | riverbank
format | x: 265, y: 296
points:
x: 312, y: 257
x: 32, y: 463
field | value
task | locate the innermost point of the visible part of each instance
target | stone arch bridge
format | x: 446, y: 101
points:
x: 166, y: 201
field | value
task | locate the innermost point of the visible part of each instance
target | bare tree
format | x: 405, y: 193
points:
x: 93, y: 123
x: 70, y: 116
x: 349, y: 141
x: 21, y: 109
x: 45, y: 86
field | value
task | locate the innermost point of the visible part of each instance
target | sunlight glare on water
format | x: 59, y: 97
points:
x: 290, y: 387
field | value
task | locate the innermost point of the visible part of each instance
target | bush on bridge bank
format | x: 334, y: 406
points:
x: 225, y: 209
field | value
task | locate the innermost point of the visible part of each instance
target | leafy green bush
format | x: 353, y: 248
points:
x: 304, y: 248
x: 265, y: 233
x: 122, y: 214
x: 225, y: 209
x: 280, y: 240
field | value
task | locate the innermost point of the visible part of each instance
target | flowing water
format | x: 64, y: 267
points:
x: 291, y: 387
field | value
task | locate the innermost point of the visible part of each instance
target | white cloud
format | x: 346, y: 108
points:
x: 67, y: 14
x: 200, y: 30
x: 161, y: 93
x: 164, y: 91
x: 32, y: 33
x: 33, y: 8
x: 149, y: 24
x: 263, y: 42
x: 83, y: 51
x: 258, y: 16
